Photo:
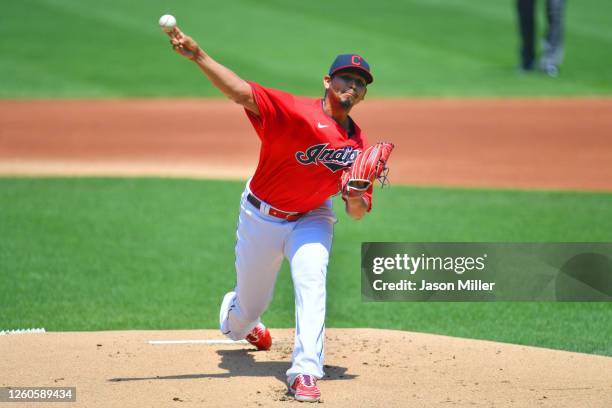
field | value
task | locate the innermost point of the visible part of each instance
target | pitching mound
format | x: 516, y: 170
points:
x: 365, y: 367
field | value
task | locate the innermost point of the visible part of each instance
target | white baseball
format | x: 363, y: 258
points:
x: 167, y: 22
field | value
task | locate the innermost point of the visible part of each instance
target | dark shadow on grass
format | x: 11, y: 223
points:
x: 241, y: 363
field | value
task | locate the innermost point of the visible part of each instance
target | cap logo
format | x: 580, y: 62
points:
x: 354, y: 61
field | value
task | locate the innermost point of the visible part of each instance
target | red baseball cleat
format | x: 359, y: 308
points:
x: 305, y: 388
x: 260, y: 337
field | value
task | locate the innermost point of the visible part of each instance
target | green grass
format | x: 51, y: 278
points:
x: 98, y: 254
x: 87, y: 48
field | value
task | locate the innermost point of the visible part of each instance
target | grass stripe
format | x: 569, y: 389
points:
x: 416, y: 48
x: 105, y: 253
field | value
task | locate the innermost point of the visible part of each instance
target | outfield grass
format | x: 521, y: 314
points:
x: 99, y: 254
x: 87, y: 48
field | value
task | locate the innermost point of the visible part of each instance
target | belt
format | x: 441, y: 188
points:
x: 289, y: 216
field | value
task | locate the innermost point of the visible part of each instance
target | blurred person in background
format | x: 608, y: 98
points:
x: 552, y: 48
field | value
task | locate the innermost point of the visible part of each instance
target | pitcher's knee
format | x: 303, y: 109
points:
x: 312, y: 257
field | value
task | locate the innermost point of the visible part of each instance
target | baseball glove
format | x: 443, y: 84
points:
x: 369, y: 166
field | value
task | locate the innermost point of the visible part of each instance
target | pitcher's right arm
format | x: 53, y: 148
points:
x: 224, y: 79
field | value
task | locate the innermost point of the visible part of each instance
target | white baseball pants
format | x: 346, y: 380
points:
x: 262, y: 243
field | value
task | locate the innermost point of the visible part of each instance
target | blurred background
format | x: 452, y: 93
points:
x: 86, y: 48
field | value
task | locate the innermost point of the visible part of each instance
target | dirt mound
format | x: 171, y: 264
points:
x: 364, y: 367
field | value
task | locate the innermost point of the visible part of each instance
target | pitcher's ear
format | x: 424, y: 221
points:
x: 326, y: 81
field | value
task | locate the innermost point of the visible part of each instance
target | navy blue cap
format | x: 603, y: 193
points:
x: 354, y: 62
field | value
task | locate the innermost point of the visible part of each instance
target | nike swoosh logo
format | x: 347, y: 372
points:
x: 320, y: 126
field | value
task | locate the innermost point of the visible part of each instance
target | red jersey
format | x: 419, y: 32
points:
x: 303, y: 151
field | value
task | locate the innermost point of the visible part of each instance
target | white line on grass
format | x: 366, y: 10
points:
x: 21, y: 331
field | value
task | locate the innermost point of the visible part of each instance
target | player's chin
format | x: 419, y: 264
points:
x: 347, y: 102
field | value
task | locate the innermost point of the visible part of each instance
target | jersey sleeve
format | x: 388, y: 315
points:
x: 275, y: 109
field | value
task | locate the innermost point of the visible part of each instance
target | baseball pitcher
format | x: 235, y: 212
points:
x: 311, y: 149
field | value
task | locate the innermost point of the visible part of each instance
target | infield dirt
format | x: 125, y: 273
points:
x: 509, y: 143
x: 364, y: 368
